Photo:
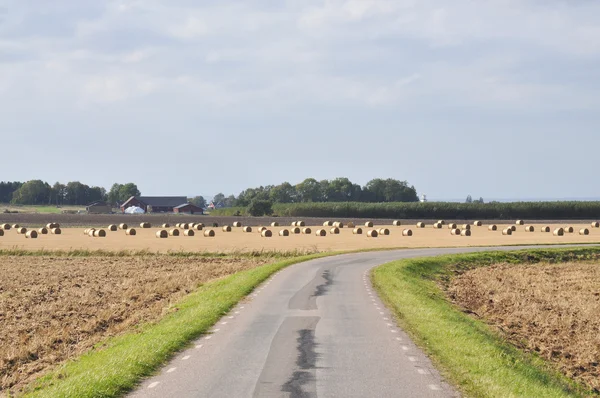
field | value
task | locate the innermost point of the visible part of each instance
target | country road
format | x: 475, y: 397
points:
x: 315, y: 329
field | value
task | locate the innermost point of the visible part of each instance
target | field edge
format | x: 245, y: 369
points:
x: 469, y: 353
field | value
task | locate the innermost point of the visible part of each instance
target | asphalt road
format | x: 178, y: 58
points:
x: 315, y: 329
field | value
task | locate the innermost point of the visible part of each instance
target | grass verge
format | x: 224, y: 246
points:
x: 470, y: 353
x: 115, y: 366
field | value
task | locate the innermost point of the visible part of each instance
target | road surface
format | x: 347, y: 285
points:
x: 315, y: 329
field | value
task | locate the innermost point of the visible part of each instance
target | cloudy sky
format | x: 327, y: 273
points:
x: 496, y: 98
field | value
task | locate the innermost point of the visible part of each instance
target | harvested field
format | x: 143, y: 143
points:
x: 549, y: 309
x: 53, y: 308
x: 237, y: 240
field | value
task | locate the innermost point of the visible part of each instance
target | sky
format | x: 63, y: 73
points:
x: 495, y: 98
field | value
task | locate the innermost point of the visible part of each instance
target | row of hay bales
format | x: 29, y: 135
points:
x: 52, y: 228
x: 163, y: 233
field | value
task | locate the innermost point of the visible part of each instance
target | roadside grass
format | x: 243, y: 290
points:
x: 470, y: 353
x: 116, y: 365
x: 39, y: 209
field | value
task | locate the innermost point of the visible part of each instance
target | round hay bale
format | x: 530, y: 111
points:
x: 407, y: 232
x: 397, y: 223
x: 357, y: 231
x: 369, y: 224
x: 260, y: 229
x: 88, y: 230
x: 595, y: 224
x: 189, y: 232
x: 162, y: 234
x: 226, y: 228
x: 442, y: 222
x: 338, y: 224
x: 493, y: 227
x: 437, y: 225
x: 266, y: 233
x: 328, y: 224
x: 477, y: 223
x: 123, y: 226
x: 178, y: 225
x: 100, y: 233
x: 545, y: 229
x: 130, y: 232
x: 15, y: 226
x: 507, y: 231
x: 21, y: 230
x: 56, y: 231
x: 209, y: 233
x: 584, y: 231
x: 420, y: 224
x: 530, y: 228
x: 284, y: 232
x: 465, y: 232
x: 184, y: 226
x: 558, y: 232
x: 452, y: 226
x: 568, y: 230
x: 165, y: 225
x: 296, y: 230
x: 237, y: 224
x: 145, y: 225
x: 31, y: 234
x: 91, y: 232
x: 372, y: 233
x: 455, y: 231
x: 174, y: 232
x: 52, y: 225
x: 294, y: 223
x: 350, y: 225
x: 334, y: 230
x: 321, y: 232
x: 300, y: 224
x: 384, y: 231
x: 520, y: 222
x: 466, y: 226
x: 112, y: 227
x: 306, y: 231
x: 274, y: 224
x: 513, y: 227
x: 43, y: 231
x: 247, y: 229
x: 198, y: 227
x: 215, y: 225
x: 5, y: 227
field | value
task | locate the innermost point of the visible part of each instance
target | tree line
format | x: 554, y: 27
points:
x: 38, y: 192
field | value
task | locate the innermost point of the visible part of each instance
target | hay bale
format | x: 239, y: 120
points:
x: 372, y: 233
x: 558, y: 232
x: 174, y: 232
x: 21, y: 230
x: 530, y: 228
x: 442, y: 222
x: 237, y: 224
x: 520, y: 222
x: 56, y: 231
x: 162, y: 234
x: 306, y: 231
x: 165, y: 225
x: 384, y: 231
x: 465, y: 232
x: 284, y: 232
x: 300, y: 224
x: 334, y: 230
x: 215, y: 225
x: 123, y: 227
x: 493, y: 227
x: 87, y: 231
x: 5, y: 227
x: 130, y: 232
x: 321, y: 232
x: 357, y: 231
x: 397, y: 223
x: 596, y: 224
x: 545, y: 229
x: 569, y: 230
x: 226, y: 228
x: 455, y: 231
x: 296, y: 230
x: 328, y: 224
x: 185, y: 226
x: 477, y: 223
x: 507, y: 231
x: 437, y: 225
x: 274, y: 224
x: 189, y: 232
x: 100, y: 233
x: 112, y: 227
x: 466, y: 226
x: 15, y: 226
x: 452, y: 226
x: 338, y: 224
x: 260, y: 229
x: 178, y: 225
x: 350, y: 225
x: 584, y: 231
x: 266, y: 233
x: 52, y: 225
x: 513, y: 228
x: 145, y: 225
x: 247, y: 229
x: 209, y: 233
x: 369, y: 224
x: 43, y: 231
x: 294, y: 223
x: 198, y: 227
x: 407, y: 232
x: 420, y: 224
x: 31, y: 234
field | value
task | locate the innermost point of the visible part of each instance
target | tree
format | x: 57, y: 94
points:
x: 199, y: 201
x: 96, y: 194
x: 283, y: 193
x: 218, y: 198
x: 469, y: 199
x: 260, y: 207
x: 6, y: 190
x: 58, y: 193
x: 113, y: 195
x: 34, y: 192
x: 230, y: 201
x: 309, y: 190
x: 480, y: 200
x: 128, y: 190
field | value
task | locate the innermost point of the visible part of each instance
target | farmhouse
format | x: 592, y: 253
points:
x: 155, y: 204
x: 98, y: 208
x: 188, y: 208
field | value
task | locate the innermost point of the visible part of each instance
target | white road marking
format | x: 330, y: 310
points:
x: 405, y: 348
x: 394, y: 331
x: 230, y: 317
x: 242, y: 307
x: 152, y: 385
x: 208, y: 338
x: 434, y: 387
x: 381, y: 313
x: 399, y: 338
x: 171, y: 370
x: 185, y: 358
x: 199, y: 346
x: 216, y: 330
x: 223, y: 323
x: 412, y: 359
x: 421, y: 371
x: 237, y: 312
x: 386, y: 319
x: 389, y: 324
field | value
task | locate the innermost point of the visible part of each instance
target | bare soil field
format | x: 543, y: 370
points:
x: 550, y: 309
x: 54, y: 308
x: 237, y: 240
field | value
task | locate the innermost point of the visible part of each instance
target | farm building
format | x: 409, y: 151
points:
x: 98, y: 208
x: 155, y: 204
x: 188, y: 208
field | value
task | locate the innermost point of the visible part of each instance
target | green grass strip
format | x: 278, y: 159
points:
x: 114, y: 368
x: 470, y: 353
